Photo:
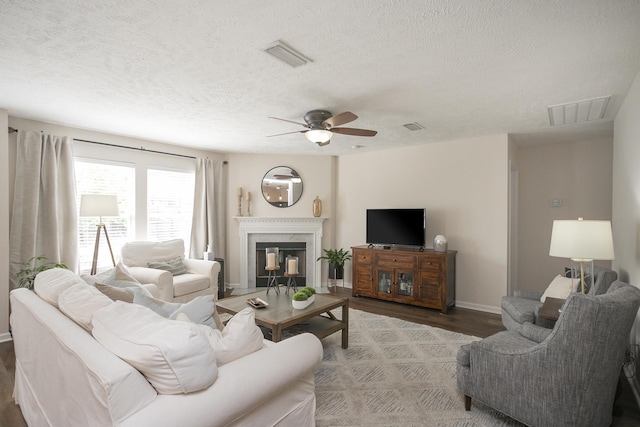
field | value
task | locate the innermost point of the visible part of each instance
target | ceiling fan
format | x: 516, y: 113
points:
x: 321, y: 125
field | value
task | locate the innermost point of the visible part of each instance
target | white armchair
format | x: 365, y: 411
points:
x: 201, y: 277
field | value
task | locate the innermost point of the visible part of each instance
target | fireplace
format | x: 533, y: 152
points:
x: 274, y: 232
x: 297, y: 249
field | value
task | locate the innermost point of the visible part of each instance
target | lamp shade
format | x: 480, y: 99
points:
x: 99, y: 205
x: 582, y: 239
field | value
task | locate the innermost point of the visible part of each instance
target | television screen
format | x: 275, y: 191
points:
x: 405, y: 227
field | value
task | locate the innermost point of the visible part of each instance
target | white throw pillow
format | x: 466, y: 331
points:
x: 200, y: 310
x: 560, y: 287
x: 240, y: 337
x: 174, y: 356
x: 117, y: 276
x: 49, y: 284
x: 80, y: 302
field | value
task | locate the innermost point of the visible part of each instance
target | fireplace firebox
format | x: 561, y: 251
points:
x: 298, y: 249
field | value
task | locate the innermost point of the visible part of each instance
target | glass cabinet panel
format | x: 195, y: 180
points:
x: 385, y: 278
x: 405, y: 284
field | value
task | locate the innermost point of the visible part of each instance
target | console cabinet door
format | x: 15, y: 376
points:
x: 362, y: 280
x: 431, y: 289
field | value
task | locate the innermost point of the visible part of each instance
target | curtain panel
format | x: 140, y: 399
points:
x: 44, y: 216
x: 209, y: 213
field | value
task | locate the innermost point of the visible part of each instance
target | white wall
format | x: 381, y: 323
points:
x: 247, y: 171
x: 464, y: 187
x: 580, y: 173
x: 4, y: 226
x: 626, y: 194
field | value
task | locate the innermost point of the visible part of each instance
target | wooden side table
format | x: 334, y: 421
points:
x: 550, y: 309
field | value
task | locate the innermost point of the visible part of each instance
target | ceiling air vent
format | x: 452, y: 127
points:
x: 414, y: 126
x: 286, y: 54
x: 576, y: 112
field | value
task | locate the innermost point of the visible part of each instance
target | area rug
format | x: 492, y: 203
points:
x: 395, y: 373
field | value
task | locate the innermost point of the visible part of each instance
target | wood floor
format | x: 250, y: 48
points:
x: 460, y: 320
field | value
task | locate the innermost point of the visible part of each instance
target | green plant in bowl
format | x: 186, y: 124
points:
x: 301, y: 295
x: 308, y: 290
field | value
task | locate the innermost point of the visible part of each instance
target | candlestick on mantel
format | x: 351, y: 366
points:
x: 248, y: 196
x: 239, y: 213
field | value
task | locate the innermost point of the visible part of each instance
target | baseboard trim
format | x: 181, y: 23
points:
x: 6, y: 337
x: 478, y: 307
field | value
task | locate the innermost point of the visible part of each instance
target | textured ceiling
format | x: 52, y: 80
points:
x: 193, y: 73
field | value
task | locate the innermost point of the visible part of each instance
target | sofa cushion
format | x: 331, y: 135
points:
x: 116, y: 294
x: 560, y: 287
x: 118, y: 276
x: 175, y: 266
x: 80, y: 302
x: 49, y: 284
x: 185, y: 284
x: 241, y: 336
x: 174, y: 356
x: 201, y: 310
x: 138, y: 254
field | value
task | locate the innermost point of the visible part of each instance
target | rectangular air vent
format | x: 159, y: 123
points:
x: 414, y: 126
x: 286, y: 54
x: 580, y: 111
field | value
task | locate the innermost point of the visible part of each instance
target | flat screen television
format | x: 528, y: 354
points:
x: 403, y: 227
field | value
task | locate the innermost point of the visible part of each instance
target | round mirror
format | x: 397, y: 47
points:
x: 282, y: 187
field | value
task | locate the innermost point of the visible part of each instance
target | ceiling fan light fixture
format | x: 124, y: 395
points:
x: 318, y: 135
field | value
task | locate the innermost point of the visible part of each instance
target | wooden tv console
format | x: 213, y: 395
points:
x: 410, y: 276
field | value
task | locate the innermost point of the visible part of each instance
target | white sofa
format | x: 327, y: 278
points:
x: 201, y: 277
x: 65, y: 377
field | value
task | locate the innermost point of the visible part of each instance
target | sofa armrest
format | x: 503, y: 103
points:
x: 161, y: 278
x: 204, y: 267
x: 534, y: 332
x: 242, y: 386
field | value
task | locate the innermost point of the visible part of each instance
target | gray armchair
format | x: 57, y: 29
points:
x: 569, y: 378
x: 523, y: 306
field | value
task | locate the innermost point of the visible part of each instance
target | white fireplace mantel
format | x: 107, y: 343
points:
x: 308, y: 230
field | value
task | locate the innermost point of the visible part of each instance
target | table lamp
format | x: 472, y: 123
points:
x: 582, y: 241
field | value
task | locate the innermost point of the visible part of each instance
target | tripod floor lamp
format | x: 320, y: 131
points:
x: 99, y: 205
x: 582, y: 241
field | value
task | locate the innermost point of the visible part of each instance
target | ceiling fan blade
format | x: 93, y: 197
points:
x: 356, y: 132
x: 287, y: 133
x: 290, y: 121
x: 340, y: 119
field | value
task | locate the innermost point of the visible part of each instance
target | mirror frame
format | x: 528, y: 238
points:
x: 270, y: 180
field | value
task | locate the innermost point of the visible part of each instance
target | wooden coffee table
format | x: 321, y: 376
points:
x: 280, y: 314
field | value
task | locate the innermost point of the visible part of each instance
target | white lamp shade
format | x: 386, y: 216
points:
x: 99, y: 205
x: 582, y: 239
x: 318, y: 135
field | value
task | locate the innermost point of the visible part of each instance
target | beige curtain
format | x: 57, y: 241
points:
x: 209, y: 212
x: 44, y: 216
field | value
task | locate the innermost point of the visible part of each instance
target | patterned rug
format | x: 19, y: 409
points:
x: 394, y: 373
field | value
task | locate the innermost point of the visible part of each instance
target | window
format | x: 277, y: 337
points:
x: 102, y: 177
x: 170, y: 204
